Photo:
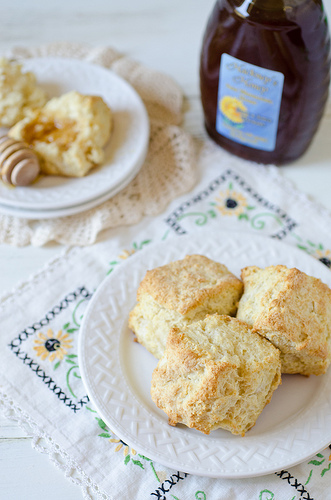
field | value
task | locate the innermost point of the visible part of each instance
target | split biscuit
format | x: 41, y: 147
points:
x: 19, y: 93
x: 68, y: 133
x: 293, y: 311
x: 179, y: 293
x: 216, y: 373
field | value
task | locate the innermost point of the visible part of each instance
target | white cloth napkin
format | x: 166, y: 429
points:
x: 41, y: 387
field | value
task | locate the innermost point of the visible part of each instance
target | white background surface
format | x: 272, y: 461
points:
x: 165, y: 35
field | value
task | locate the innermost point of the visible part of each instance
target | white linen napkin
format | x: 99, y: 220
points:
x: 41, y: 386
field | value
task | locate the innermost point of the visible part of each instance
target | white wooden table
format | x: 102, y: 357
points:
x: 165, y: 35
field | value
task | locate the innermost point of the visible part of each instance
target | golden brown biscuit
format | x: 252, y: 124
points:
x: 179, y: 293
x: 19, y: 93
x: 292, y: 310
x: 68, y: 133
x: 216, y: 373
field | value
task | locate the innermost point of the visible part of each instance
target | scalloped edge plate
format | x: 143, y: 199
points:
x: 117, y: 372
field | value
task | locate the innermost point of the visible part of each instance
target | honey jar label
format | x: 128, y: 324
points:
x: 248, y: 103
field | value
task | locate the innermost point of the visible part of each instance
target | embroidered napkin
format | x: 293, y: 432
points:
x: 41, y: 386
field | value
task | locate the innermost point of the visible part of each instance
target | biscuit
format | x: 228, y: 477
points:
x: 19, y: 93
x: 68, y: 133
x: 216, y: 373
x: 179, y: 293
x: 292, y: 310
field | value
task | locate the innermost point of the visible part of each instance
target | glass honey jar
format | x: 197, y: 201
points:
x: 264, y: 76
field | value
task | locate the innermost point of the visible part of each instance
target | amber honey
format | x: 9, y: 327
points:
x: 48, y: 130
x: 279, y: 55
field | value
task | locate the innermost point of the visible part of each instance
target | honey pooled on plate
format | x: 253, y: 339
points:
x: 68, y: 133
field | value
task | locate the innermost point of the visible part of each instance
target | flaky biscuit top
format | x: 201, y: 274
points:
x: 185, y: 284
x: 293, y: 310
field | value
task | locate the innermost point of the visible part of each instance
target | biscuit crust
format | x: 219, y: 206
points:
x: 68, y: 133
x: 179, y: 293
x: 185, y: 284
x: 216, y: 373
x: 292, y: 310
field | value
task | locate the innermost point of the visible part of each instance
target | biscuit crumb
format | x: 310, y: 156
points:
x: 68, y: 133
x: 19, y: 93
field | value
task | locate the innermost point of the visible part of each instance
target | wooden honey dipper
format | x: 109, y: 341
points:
x: 19, y: 164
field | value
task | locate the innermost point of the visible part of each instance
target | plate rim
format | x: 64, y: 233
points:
x: 74, y: 209
x: 169, y: 462
x: 139, y: 154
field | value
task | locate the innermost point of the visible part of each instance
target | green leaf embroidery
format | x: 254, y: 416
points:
x: 66, y: 326
x: 101, y: 423
x: 326, y: 470
x: 90, y: 409
x: 137, y: 462
x: 316, y: 462
x: 127, y: 459
x: 309, y: 477
x: 71, y: 356
x: 145, y: 242
x: 57, y: 365
x: 243, y: 216
x: 72, y: 330
x: 165, y: 235
x: 104, y: 435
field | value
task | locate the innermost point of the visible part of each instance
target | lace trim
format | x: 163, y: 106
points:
x: 45, y: 444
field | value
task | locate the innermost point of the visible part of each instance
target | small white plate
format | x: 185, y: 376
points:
x: 126, y: 148
x: 117, y: 372
x: 64, y: 212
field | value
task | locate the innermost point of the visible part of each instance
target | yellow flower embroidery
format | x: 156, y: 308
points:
x: 54, y: 346
x: 233, y: 109
x: 231, y: 202
x: 120, y: 446
x: 324, y: 256
x: 126, y: 254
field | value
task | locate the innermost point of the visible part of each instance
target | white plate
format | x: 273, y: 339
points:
x: 64, y: 212
x: 126, y: 148
x: 117, y: 372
